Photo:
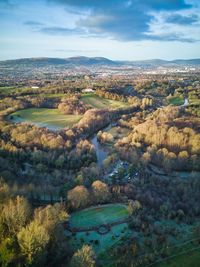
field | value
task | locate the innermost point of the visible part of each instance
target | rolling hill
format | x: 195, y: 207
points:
x: 93, y: 61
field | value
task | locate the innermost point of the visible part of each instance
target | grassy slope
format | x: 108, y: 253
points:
x: 99, y: 215
x: 101, y: 103
x: 191, y: 259
x: 51, y: 118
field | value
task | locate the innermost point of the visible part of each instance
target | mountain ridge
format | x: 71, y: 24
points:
x: 98, y: 61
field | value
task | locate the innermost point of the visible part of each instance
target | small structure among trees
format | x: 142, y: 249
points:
x: 88, y: 90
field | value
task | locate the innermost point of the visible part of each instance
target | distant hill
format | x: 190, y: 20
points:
x: 90, y: 61
x: 72, y: 61
x: 187, y: 61
x: 160, y: 62
x: 93, y: 61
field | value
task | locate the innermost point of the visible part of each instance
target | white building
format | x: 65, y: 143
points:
x: 88, y: 90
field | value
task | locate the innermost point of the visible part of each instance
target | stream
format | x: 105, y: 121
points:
x: 101, y: 150
x: 186, y: 102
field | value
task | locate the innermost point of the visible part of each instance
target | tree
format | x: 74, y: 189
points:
x: 7, y: 252
x: 130, y: 208
x: 60, y: 161
x: 83, y: 257
x: 33, y: 240
x: 4, y: 190
x: 50, y: 216
x: 121, y: 173
x: 133, y: 206
x: 16, y: 214
x: 100, y: 191
x: 52, y: 219
x: 146, y: 158
x: 183, y: 159
x: 78, y: 196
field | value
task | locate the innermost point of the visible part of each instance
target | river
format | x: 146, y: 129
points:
x: 186, y: 102
x: 101, y: 150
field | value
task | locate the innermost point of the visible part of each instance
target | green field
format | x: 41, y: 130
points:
x: 53, y: 119
x: 191, y: 259
x: 104, y: 241
x: 98, y: 215
x: 58, y: 95
x: 176, y: 100
x: 101, y: 103
x: 7, y: 89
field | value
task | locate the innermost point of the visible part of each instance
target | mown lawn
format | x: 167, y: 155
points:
x: 100, y: 243
x: 176, y: 100
x: 44, y: 117
x: 98, y: 215
x: 101, y: 103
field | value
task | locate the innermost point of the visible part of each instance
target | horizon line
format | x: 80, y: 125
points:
x: 77, y: 56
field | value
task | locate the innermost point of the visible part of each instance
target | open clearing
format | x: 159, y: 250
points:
x: 7, y: 89
x: 53, y: 119
x: 100, y: 243
x: 98, y: 215
x: 101, y: 103
x: 191, y: 259
x: 176, y: 100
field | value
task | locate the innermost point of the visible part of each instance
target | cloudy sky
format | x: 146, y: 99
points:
x: 117, y: 29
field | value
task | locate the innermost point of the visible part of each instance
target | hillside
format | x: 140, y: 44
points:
x: 45, y: 61
x: 93, y: 61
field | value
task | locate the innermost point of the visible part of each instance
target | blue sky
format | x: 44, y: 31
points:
x: 117, y: 29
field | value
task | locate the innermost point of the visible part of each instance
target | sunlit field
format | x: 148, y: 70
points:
x: 101, y: 103
x: 99, y: 215
x: 44, y: 117
x: 95, y: 217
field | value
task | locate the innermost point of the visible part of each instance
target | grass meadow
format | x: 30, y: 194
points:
x: 44, y: 117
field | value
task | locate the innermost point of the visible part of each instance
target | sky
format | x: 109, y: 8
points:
x: 116, y: 29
